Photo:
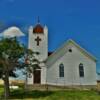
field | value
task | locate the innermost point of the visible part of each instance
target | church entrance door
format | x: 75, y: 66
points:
x: 37, y: 76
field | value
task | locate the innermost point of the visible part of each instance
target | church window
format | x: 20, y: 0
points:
x: 81, y: 70
x: 29, y: 75
x: 70, y: 50
x: 61, y: 70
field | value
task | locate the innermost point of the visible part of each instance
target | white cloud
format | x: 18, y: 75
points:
x: 1, y: 35
x: 13, y: 32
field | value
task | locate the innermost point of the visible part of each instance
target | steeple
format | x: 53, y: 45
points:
x: 38, y: 29
x: 38, y: 20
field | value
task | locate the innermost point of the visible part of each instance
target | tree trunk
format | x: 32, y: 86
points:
x: 6, y: 85
x: 26, y: 83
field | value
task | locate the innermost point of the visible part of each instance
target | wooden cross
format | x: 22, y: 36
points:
x: 38, y: 40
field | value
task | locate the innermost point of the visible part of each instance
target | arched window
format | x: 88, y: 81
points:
x: 61, y: 70
x: 81, y: 70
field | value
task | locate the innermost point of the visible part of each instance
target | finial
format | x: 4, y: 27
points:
x: 38, y: 19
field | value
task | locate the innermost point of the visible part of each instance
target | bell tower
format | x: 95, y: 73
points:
x: 38, y: 40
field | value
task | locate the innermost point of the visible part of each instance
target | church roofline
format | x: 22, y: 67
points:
x: 84, y: 50
x: 64, y: 45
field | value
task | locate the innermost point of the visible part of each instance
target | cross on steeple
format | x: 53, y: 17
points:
x: 38, y: 40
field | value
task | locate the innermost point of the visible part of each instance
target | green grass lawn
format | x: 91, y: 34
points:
x: 53, y: 95
x: 1, y: 90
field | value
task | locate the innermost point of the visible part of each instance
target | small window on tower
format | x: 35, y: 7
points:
x: 29, y: 75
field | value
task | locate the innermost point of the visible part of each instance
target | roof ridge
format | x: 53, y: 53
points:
x: 74, y: 43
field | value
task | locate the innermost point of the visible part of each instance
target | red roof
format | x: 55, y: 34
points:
x: 38, y: 29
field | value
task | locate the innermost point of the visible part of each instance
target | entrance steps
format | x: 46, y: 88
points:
x: 37, y: 87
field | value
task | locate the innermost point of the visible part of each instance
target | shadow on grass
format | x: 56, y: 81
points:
x: 20, y: 94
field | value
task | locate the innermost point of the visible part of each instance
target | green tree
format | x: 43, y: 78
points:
x: 10, y: 52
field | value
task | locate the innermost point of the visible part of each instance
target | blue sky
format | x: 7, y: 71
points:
x: 75, y: 19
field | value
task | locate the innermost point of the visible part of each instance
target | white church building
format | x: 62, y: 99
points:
x: 69, y: 65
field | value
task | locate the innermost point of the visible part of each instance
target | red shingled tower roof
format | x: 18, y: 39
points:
x: 38, y: 28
